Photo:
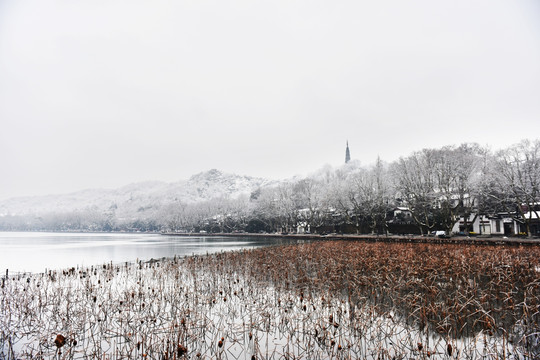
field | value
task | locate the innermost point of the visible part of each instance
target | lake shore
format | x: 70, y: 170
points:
x: 467, y: 240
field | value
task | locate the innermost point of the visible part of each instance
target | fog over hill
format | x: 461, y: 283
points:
x: 138, y: 197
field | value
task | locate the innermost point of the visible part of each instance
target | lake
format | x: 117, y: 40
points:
x: 35, y: 251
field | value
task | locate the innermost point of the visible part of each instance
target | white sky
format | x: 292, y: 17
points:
x: 103, y: 93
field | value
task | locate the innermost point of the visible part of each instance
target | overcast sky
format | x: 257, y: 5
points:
x: 103, y: 93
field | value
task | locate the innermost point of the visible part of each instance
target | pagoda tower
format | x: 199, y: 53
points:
x: 347, y: 153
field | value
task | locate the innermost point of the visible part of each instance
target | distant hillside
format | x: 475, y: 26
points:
x: 135, y: 199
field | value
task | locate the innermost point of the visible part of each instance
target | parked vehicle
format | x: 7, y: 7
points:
x: 439, y: 233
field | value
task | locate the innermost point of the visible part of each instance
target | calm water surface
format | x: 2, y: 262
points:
x: 35, y: 252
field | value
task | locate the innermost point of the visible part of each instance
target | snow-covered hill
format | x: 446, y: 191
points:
x: 138, y: 197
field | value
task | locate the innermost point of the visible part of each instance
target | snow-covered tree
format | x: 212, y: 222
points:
x: 517, y: 179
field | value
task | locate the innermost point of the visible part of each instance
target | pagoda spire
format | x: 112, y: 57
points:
x: 347, y: 153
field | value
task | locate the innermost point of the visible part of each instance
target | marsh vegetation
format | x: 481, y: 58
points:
x: 320, y: 300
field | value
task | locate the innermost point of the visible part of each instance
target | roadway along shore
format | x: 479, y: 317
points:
x: 478, y: 240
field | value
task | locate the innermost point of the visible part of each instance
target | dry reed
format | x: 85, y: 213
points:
x: 321, y: 300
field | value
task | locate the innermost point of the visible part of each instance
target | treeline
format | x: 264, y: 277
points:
x: 436, y: 186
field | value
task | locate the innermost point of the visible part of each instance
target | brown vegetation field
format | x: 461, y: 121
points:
x: 318, y: 300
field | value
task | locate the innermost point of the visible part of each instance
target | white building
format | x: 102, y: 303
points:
x: 499, y: 224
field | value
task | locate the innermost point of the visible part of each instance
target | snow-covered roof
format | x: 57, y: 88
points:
x: 531, y: 215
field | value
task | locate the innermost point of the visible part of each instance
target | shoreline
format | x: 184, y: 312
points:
x: 408, y: 238
x: 476, y: 240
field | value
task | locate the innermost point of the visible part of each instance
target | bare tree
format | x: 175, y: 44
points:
x: 174, y: 216
x: 457, y: 172
x: 439, y: 185
x: 312, y: 201
x: 517, y: 180
x: 265, y: 209
x: 414, y: 178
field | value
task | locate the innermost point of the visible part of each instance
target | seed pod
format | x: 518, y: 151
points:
x: 181, y: 350
x: 59, y: 341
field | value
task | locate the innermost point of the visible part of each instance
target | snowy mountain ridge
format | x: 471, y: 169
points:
x: 138, y: 197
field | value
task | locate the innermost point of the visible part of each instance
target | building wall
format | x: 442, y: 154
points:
x: 488, y: 226
x: 497, y: 227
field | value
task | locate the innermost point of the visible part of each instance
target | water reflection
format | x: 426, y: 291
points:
x: 35, y: 252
